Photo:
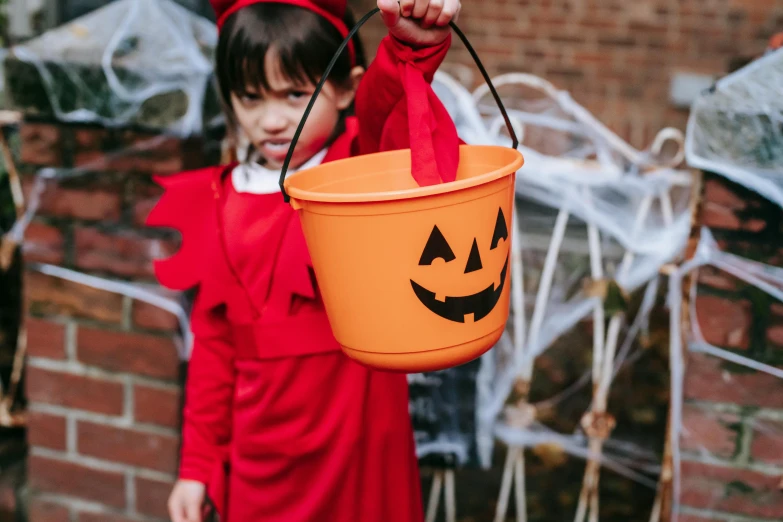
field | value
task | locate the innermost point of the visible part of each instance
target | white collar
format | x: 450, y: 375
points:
x: 251, y: 177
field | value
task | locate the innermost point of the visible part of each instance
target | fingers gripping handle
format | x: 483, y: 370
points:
x: 329, y: 68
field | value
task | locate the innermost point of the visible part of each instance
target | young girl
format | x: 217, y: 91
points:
x: 278, y: 424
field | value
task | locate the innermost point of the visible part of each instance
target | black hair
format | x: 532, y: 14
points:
x: 304, y: 41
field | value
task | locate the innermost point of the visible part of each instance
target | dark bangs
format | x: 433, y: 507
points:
x: 304, y: 41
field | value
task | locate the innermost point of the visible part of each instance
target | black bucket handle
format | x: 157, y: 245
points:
x: 340, y: 49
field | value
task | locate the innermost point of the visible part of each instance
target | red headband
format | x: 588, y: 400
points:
x: 332, y: 10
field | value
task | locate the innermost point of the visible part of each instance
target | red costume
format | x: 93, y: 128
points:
x: 278, y: 422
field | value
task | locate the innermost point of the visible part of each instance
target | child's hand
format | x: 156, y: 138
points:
x: 419, y: 23
x: 186, y: 500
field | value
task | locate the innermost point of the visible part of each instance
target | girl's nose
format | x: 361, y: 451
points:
x: 273, y: 121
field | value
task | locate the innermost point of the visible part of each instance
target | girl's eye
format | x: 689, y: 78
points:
x: 297, y: 95
x: 249, y: 98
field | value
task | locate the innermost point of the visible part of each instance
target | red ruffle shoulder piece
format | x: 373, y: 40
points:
x: 188, y: 205
x: 293, y: 274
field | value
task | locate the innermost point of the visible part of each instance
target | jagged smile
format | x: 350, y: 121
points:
x: 456, y: 308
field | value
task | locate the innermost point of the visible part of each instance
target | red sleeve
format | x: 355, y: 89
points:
x: 396, y: 107
x: 206, y: 432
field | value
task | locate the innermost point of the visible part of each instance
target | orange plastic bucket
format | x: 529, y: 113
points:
x: 413, y: 278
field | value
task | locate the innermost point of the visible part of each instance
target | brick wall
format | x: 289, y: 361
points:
x: 616, y: 57
x: 103, y: 377
x: 733, y: 417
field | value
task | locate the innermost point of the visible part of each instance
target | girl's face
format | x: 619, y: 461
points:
x: 269, y: 118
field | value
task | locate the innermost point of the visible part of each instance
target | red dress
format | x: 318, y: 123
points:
x: 278, y: 422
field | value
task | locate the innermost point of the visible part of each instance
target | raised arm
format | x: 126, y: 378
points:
x: 395, y: 104
x: 383, y: 90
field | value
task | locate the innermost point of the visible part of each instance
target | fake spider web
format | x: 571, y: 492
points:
x: 144, y: 63
x: 593, y: 217
x: 736, y: 128
x: 637, y: 201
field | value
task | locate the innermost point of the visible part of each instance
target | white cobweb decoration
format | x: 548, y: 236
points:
x: 131, y: 62
x: 593, y: 216
x: 736, y: 128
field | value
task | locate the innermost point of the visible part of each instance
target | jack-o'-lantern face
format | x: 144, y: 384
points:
x: 480, y: 274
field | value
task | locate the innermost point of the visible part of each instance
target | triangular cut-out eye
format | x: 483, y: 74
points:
x: 474, y: 259
x: 436, y: 247
x: 501, y: 231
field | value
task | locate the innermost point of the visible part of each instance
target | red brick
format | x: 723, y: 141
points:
x: 754, y: 225
x: 647, y: 27
x: 74, y: 391
x: 585, y: 57
x: 775, y: 334
x: 724, y: 322
x: 45, y: 338
x: 9, y: 502
x: 152, y: 497
x: 717, y: 216
x: 92, y: 160
x: 598, y: 22
x: 8, y: 498
x: 90, y: 138
x: 767, y: 443
x: 151, y: 317
x: 536, y: 20
x: 41, y: 144
x: 775, y: 330
x: 104, y: 517
x: 151, y: 143
x: 49, y: 295
x: 158, y: 163
x: 42, y: 511
x: 720, y: 193
x: 145, y: 199
x: 125, y: 253
x: 711, y: 431
x: 128, y: 352
x: 156, y: 405
x: 706, y: 379
x: 90, y: 204
x: 46, y: 430
x: 137, y: 448
x: 67, y: 478
x: 741, y: 245
x: 43, y: 243
x: 694, y: 518
x: 647, y: 61
x: 717, y: 278
x: 617, y: 41
x: 148, y: 153
x: 731, y: 490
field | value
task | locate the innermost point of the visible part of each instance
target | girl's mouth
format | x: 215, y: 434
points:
x: 275, y: 148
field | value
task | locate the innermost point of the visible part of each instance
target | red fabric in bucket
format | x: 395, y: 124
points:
x: 418, y: 119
